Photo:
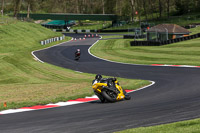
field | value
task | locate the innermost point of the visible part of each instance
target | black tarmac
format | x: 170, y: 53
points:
x: 175, y: 96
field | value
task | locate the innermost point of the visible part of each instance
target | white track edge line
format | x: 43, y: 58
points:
x: 44, y: 49
x: 152, y: 83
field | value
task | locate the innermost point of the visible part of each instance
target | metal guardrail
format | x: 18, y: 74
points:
x: 50, y: 40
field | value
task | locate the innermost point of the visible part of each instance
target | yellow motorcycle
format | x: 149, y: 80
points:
x: 109, y: 90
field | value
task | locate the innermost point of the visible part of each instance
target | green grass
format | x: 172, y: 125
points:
x: 26, y: 82
x: 182, y: 53
x: 113, y: 36
x: 191, y: 126
x: 5, y: 20
x: 194, y: 30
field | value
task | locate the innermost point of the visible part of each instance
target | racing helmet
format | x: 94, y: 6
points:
x: 110, y: 83
x: 98, y: 77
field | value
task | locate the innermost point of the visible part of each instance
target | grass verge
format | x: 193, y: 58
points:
x: 182, y: 53
x: 26, y: 82
x: 190, y: 126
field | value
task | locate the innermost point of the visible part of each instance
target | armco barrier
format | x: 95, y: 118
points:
x: 44, y: 42
x: 76, y: 31
x: 182, y: 39
x: 159, y: 43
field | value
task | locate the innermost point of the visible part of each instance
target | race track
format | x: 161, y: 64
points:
x: 175, y: 96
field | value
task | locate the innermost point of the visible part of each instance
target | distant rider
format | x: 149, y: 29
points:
x: 77, y: 53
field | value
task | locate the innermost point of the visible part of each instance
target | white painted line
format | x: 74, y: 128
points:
x: 14, y: 111
x: 188, y: 66
x: 35, y: 57
x: 78, y: 71
x: 94, y: 96
x: 44, y: 49
x: 152, y: 83
x: 65, y: 103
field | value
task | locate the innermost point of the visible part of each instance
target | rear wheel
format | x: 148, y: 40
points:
x: 110, y: 96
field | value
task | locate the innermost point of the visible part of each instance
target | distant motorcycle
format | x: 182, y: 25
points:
x: 77, y: 54
x: 109, y: 90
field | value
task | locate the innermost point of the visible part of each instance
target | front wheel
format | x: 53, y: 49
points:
x: 127, y: 97
x: 109, y: 95
x: 77, y: 58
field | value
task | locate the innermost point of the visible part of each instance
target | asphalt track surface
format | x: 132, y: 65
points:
x: 174, y: 97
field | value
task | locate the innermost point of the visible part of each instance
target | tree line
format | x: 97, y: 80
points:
x: 128, y: 9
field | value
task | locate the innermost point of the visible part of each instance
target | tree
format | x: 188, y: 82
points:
x: 132, y: 3
x: 103, y: 9
x: 182, y: 6
x: 108, y: 5
x: 124, y: 8
x: 119, y: 6
x: 2, y: 6
x: 28, y: 7
x: 160, y: 8
x: 64, y: 5
x: 17, y: 6
x: 168, y: 6
x: 145, y: 11
x: 77, y: 6
x: 198, y: 5
x: 152, y: 7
